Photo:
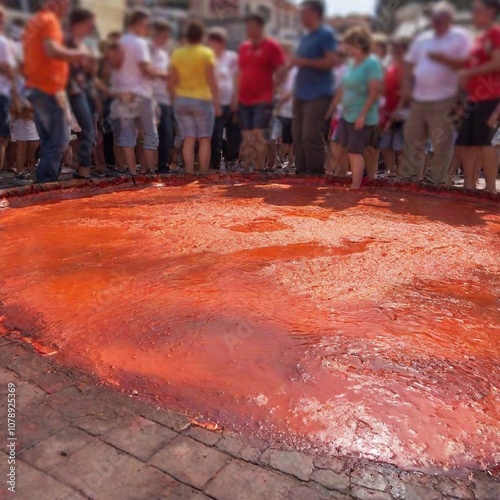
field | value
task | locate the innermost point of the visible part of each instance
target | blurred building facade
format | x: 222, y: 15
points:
x: 109, y: 13
x: 283, y: 16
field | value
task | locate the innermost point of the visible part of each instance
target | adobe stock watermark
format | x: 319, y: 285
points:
x: 11, y: 445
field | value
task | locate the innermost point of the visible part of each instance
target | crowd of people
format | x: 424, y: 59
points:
x: 421, y: 110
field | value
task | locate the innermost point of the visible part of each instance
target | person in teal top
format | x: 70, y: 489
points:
x: 356, y: 90
x: 359, y: 95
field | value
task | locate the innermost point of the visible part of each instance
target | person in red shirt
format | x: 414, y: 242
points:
x: 480, y: 77
x: 392, y: 113
x: 261, y: 64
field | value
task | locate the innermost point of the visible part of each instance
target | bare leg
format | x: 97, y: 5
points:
x: 148, y: 160
x: 99, y: 157
x: 31, y: 160
x: 119, y: 157
x: 371, y: 156
x: 489, y: 162
x: 454, y: 166
x: 188, y: 154
x: 130, y: 161
x: 334, y: 160
x: 291, y: 155
x: 247, y: 150
x: 284, y: 150
x: 205, y: 153
x: 10, y: 155
x: 358, y: 168
x: 469, y: 158
x: 21, y: 156
x: 389, y: 156
x: 260, y: 149
x: 272, y: 149
x: 3, y: 148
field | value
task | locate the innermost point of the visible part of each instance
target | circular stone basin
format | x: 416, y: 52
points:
x: 362, y: 324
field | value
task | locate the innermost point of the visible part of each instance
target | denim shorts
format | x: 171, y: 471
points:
x: 144, y: 110
x: 195, y: 117
x: 4, y: 116
x: 257, y: 117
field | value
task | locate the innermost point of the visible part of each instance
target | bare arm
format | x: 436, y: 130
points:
x: 492, y: 66
x: 374, y: 87
x: 280, y: 75
x: 55, y: 50
x: 451, y: 62
x: 150, y: 71
x: 337, y: 99
x: 214, y: 88
x: 407, y: 84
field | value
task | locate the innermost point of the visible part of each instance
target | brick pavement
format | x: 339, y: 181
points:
x: 77, y: 439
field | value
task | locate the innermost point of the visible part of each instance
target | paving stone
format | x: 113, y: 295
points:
x: 230, y: 444
x: 486, y: 488
x: 28, y: 395
x: 332, y: 480
x: 176, y: 490
x: 140, y: 437
x: 100, y: 424
x: 56, y: 449
x: 250, y: 454
x: 456, y: 488
x: 52, y: 381
x: 9, y: 353
x: 169, y: 418
x: 292, y: 462
x: 361, y: 493
x: 189, y: 461
x: 335, y: 464
x: 306, y: 493
x: 265, y: 456
x: 7, y: 377
x: 30, y: 480
x: 417, y: 492
x: 102, y: 472
x: 369, y: 479
x: 28, y: 364
x: 204, y: 436
x: 255, y: 482
x: 62, y: 398
x: 37, y: 425
x: 233, y: 445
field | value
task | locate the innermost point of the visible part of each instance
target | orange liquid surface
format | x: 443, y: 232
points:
x: 356, y: 324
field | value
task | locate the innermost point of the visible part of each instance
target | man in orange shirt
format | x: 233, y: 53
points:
x: 46, y: 71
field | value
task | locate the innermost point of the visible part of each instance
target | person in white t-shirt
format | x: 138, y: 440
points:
x: 226, y: 68
x: 7, y: 74
x: 160, y: 35
x: 135, y: 102
x: 434, y: 95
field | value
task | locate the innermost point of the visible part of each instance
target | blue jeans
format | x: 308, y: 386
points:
x: 53, y: 129
x: 165, y: 135
x: 81, y: 109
